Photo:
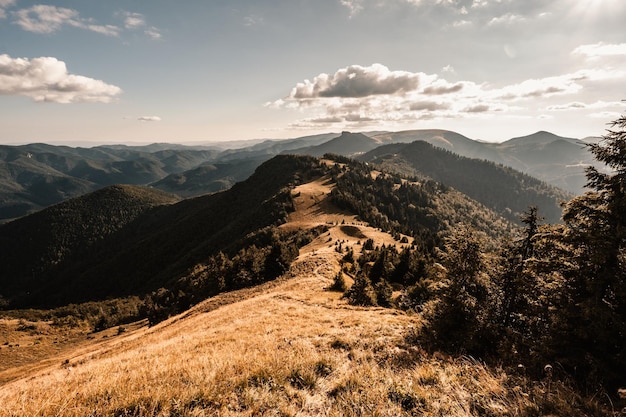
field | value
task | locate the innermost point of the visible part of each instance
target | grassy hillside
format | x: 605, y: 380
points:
x: 290, y: 347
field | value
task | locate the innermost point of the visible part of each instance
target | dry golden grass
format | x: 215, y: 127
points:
x: 287, y: 348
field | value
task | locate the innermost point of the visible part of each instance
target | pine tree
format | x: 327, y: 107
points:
x: 596, y: 232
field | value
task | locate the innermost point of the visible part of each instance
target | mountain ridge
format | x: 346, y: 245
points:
x: 37, y: 175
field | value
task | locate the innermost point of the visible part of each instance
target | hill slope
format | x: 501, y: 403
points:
x: 348, y: 144
x: 160, y: 244
x: 288, y: 347
x: 502, y: 189
x: 35, y: 244
x: 558, y: 160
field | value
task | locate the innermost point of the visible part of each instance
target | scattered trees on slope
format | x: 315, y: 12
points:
x: 556, y: 294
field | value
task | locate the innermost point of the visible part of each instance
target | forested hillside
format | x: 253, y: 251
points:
x: 504, y: 190
x: 145, y: 250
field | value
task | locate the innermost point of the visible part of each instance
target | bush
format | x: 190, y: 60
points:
x: 339, y: 283
x: 361, y: 293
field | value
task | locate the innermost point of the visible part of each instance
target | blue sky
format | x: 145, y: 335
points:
x: 123, y: 71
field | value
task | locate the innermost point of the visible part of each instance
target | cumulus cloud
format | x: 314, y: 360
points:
x: 357, y: 81
x: 48, y: 19
x: 477, y: 108
x: 428, y: 105
x: 149, y: 119
x: 46, y: 79
x: 442, y: 87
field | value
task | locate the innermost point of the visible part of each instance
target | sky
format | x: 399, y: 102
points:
x: 127, y: 71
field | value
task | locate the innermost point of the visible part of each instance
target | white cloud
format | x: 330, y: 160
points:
x: 355, y: 6
x: 48, y: 19
x: 578, y: 105
x: 462, y: 24
x: 449, y: 69
x: 3, y: 5
x: 506, y: 20
x: 575, y: 105
x: 440, y: 86
x: 134, y: 21
x: 149, y: 119
x: 153, y: 33
x: 357, y: 81
x: 601, y: 49
x: 355, y: 95
x: 428, y: 106
x: 46, y: 79
x: 544, y: 87
x: 253, y: 20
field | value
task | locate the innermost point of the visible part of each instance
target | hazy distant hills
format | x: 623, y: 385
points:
x: 209, y: 178
x: 38, y: 175
x: 557, y: 160
x: 35, y: 176
x: 348, y: 144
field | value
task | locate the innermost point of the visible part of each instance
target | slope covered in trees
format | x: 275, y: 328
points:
x: 502, y: 189
x: 156, y: 247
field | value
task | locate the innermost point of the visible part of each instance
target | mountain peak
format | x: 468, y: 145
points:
x: 541, y: 137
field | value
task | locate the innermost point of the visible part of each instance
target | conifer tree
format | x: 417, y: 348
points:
x: 596, y: 232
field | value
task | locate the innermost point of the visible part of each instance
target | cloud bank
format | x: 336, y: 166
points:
x: 46, y: 79
x: 361, y: 96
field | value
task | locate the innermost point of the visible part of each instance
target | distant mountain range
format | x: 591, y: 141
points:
x: 38, y: 175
